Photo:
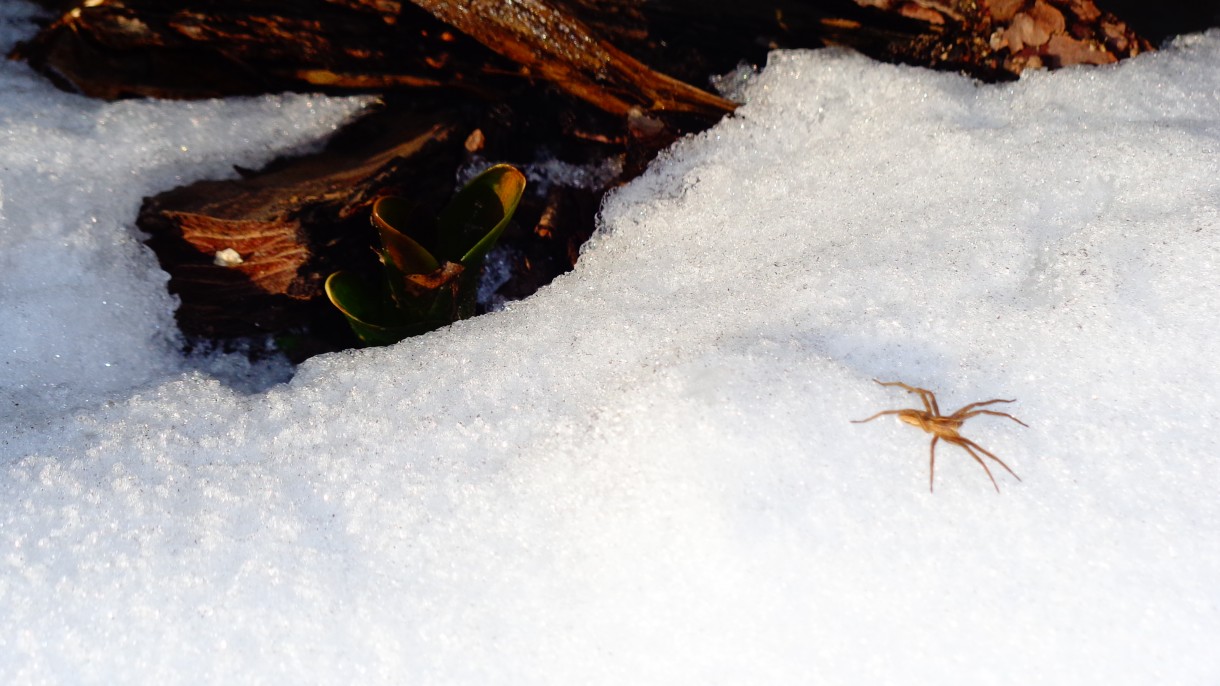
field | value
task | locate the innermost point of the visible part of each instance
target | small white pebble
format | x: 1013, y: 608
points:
x: 227, y: 258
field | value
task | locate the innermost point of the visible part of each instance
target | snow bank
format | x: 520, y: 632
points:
x: 647, y: 473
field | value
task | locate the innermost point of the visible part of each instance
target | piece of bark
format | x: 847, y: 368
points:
x: 548, y: 41
x: 1005, y: 37
x: 115, y: 48
x: 291, y: 224
x: 209, y: 48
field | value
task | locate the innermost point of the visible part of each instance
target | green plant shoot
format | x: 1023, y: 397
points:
x: 431, y: 273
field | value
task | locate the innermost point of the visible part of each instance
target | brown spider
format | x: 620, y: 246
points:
x: 946, y: 426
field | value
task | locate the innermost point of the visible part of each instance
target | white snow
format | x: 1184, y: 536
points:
x: 646, y: 473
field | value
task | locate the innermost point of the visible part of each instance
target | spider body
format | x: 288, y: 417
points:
x: 946, y: 427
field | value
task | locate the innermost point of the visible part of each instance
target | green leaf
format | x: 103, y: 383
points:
x: 374, y: 320
x: 473, y: 221
x: 421, y: 292
x: 391, y: 216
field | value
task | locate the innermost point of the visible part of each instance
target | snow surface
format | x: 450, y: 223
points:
x: 646, y: 473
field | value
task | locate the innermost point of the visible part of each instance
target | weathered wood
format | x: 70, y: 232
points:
x: 205, y: 48
x: 1005, y: 37
x: 208, y: 48
x: 115, y: 48
x: 291, y: 224
x: 547, y: 40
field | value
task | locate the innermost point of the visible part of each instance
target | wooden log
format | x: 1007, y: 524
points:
x: 595, y: 50
x: 116, y: 48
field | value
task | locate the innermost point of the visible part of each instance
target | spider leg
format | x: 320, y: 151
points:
x: 879, y: 414
x: 932, y: 466
x: 967, y: 442
x: 928, y: 397
x: 968, y: 415
x: 966, y: 446
x: 971, y: 406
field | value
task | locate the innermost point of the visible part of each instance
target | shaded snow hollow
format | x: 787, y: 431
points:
x: 646, y: 473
